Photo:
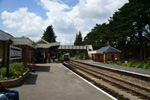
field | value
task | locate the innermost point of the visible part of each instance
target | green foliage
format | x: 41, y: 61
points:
x: 18, y: 68
x: 130, y: 64
x: 98, y: 36
x: 11, y: 71
x: 17, y: 73
x: 49, y: 34
x: 127, y: 30
x: 17, y: 64
x: 3, y: 71
x: 139, y: 66
x: 110, y: 62
x: 147, y: 66
x: 118, y: 62
x: 3, y: 79
x: 15, y: 70
x: 78, y: 40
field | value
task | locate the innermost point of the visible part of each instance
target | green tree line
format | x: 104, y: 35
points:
x: 128, y: 30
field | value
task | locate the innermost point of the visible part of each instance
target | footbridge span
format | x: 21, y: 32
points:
x: 68, y: 48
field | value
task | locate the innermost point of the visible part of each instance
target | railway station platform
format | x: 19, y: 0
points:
x: 139, y: 71
x: 53, y: 81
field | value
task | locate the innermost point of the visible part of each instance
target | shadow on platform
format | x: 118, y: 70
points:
x: 42, y: 68
x: 31, y: 79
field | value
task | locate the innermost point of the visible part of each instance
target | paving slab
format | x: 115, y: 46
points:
x: 52, y: 81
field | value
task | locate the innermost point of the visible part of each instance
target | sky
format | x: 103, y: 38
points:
x: 30, y: 18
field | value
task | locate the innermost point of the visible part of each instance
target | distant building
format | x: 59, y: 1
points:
x: 106, y: 54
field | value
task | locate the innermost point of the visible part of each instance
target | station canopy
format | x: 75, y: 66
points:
x: 46, y: 45
x: 41, y: 44
x: 5, y: 36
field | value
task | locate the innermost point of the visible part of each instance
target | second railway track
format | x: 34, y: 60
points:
x: 119, y: 85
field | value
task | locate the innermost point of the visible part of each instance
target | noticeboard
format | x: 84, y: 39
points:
x: 15, y: 53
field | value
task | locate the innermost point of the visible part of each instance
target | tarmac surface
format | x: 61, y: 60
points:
x: 125, y: 68
x: 52, y: 81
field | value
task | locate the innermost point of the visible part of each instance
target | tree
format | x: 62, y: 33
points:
x: 99, y: 36
x: 78, y: 40
x: 128, y: 30
x: 129, y: 24
x: 141, y: 19
x: 121, y: 29
x: 49, y: 34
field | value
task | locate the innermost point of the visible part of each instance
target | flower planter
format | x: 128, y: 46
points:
x: 15, y: 82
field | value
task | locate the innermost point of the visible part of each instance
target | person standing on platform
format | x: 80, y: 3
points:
x: 53, y: 58
x: 44, y: 58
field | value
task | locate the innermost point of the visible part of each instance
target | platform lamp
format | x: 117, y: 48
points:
x: 33, y: 67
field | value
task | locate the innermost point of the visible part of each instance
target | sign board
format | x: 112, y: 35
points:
x: 15, y: 53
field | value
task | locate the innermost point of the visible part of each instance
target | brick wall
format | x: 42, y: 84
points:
x: 3, y: 55
x: 6, y: 53
x: 1, y: 50
x: 116, y: 55
x: 26, y: 53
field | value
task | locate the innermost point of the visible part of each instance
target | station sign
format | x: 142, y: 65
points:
x: 15, y: 53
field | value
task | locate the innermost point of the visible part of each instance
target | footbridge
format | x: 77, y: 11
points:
x: 76, y: 48
x: 68, y: 48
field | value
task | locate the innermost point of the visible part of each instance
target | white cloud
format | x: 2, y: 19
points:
x: 54, y: 6
x: 66, y: 24
x: 24, y: 22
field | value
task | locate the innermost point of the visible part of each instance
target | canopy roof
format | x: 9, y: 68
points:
x: 109, y: 49
x: 103, y: 50
x: 5, y: 36
x: 44, y: 44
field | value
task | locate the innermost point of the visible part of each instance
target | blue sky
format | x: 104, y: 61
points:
x: 31, y: 17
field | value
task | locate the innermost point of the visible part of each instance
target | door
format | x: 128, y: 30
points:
x: 112, y: 57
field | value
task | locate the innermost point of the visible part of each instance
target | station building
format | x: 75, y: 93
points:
x: 22, y: 49
x: 5, y: 41
x: 104, y: 54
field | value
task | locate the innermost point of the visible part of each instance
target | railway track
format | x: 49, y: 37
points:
x: 111, y: 82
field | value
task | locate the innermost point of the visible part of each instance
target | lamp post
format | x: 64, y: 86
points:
x: 33, y: 67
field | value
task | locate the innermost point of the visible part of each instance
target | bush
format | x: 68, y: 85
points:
x: 139, y: 65
x: 130, y: 64
x: 3, y: 71
x: 11, y: 71
x: 118, y: 62
x: 123, y: 64
x: 147, y: 66
x: 17, y: 73
x: 17, y: 64
x: 110, y: 62
x: 15, y: 70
